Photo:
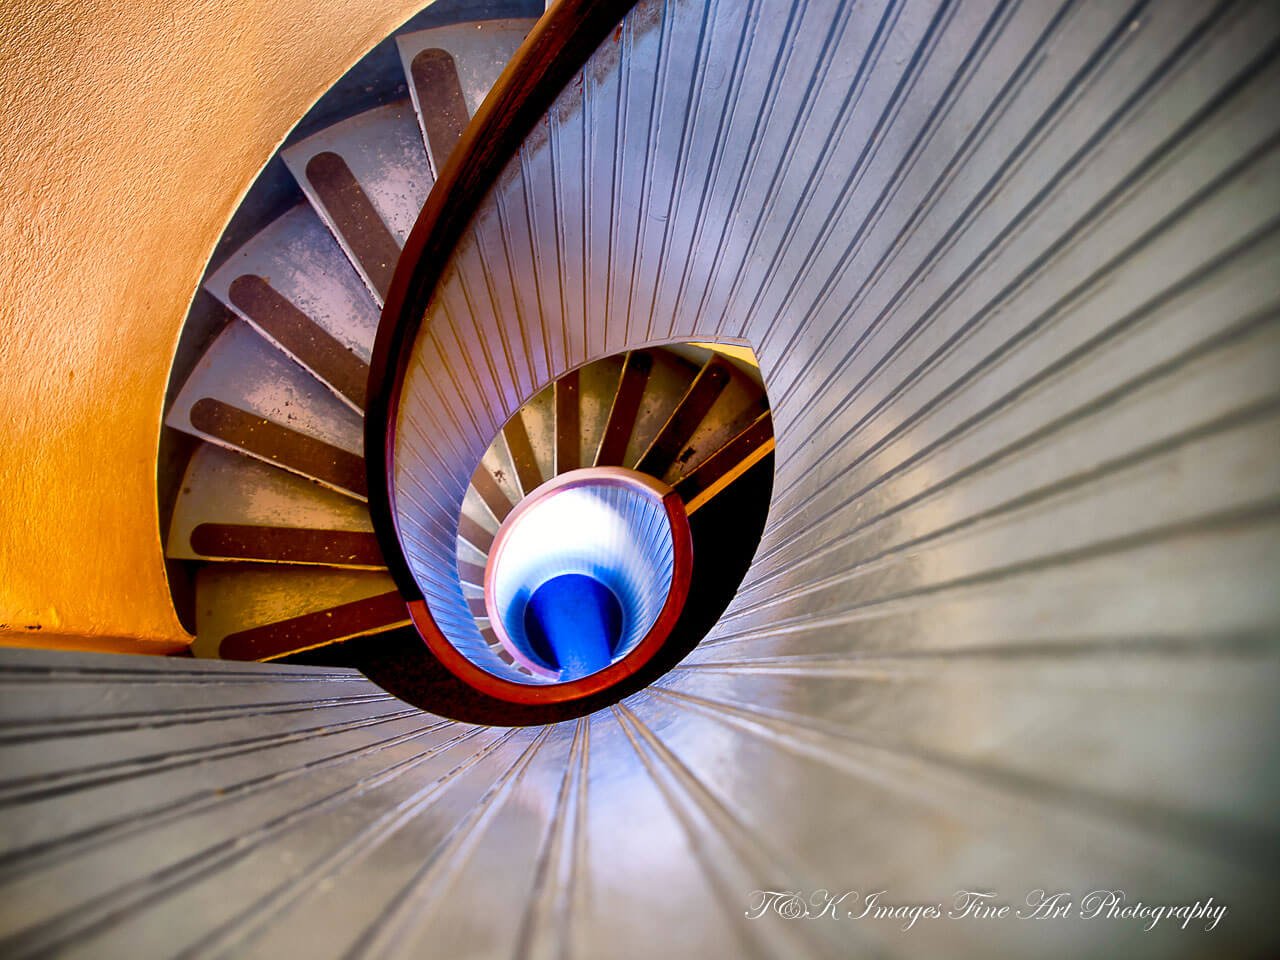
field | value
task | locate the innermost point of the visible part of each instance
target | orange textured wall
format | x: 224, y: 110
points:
x: 129, y: 130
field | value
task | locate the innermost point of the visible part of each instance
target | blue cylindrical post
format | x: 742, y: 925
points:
x: 576, y: 619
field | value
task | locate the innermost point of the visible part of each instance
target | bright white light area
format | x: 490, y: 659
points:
x: 615, y: 532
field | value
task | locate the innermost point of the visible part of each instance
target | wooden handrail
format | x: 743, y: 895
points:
x: 556, y: 49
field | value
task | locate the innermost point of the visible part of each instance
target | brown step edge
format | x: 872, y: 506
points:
x: 381, y: 612
x: 355, y: 218
x: 442, y: 106
x: 313, y: 346
x: 496, y: 646
x: 280, y: 445
x: 568, y: 425
x: 474, y: 534
x: 521, y: 449
x: 727, y: 464
x: 691, y: 458
x: 491, y: 495
x: 471, y: 573
x: 236, y: 541
x: 625, y: 409
x: 685, y: 418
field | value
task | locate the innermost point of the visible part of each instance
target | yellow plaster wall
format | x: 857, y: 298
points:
x: 129, y: 129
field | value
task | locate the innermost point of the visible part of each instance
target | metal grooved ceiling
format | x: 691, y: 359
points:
x: 1010, y: 273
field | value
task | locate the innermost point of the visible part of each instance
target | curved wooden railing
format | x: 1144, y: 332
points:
x: 420, y: 664
x: 553, y: 53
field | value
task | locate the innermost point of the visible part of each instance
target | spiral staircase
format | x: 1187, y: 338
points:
x: 948, y: 330
x: 270, y: 508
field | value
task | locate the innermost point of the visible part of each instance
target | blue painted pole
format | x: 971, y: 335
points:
x: 578, y: 619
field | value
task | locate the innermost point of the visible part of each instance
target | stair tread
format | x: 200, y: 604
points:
x: 472, y: 558
x: 222, y: 488
x: 479, y: 50
x: 530, y: 440
x: 724, y: 465
x: 666, y: 385
x: 299, y: 259
x: 665, y: 448
x: 736, y: 408
x: 242, y: 371
x: 477, y: 511
x: 382, y: 148
x: 233, y: 599
x: 597, y: 385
